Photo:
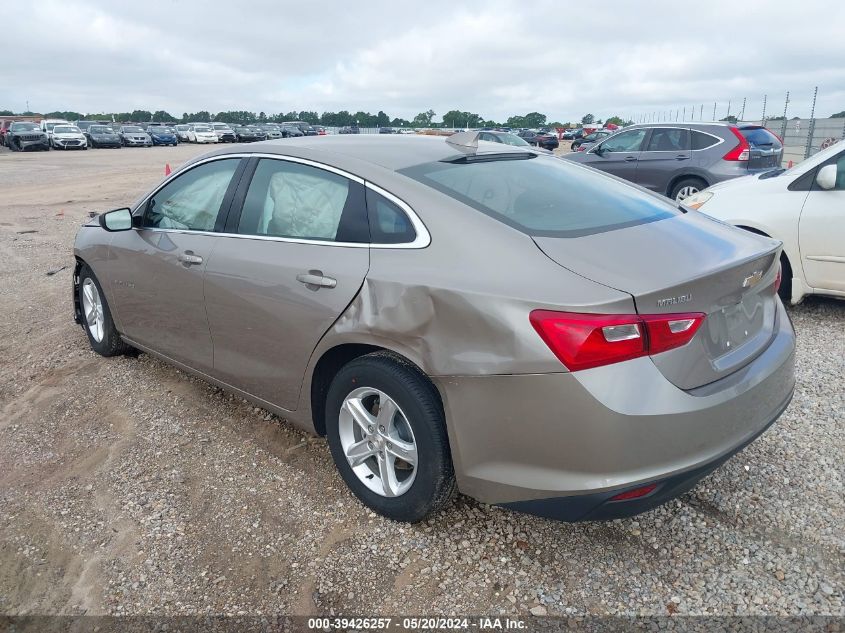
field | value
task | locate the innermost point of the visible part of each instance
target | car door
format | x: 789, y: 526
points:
x: 618, y: 154
x: 666, y: 154
x: 156, y: 270
x: 821, y: 232
x: 294, y: 255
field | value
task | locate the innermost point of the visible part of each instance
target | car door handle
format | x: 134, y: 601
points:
x: 316, y: 278
x: 681, y: 157
x: 189, y: 259
x: 630, y: 159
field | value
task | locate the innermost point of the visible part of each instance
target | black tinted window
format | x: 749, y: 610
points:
x: 700, y: 140
x: 669, y: 139
x: 760, y: 137
x: 543, y: 195
x: 388, y: 223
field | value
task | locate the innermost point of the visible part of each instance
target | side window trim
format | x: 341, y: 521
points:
x: 247, y: 170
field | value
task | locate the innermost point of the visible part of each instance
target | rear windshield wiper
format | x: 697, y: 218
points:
x: 488, y: 158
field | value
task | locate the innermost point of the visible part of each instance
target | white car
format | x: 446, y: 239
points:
x: 804, y: 207
x: 183, y: 132
x: 68, y: 137
x: 47, y: 125
x: 202, y: 134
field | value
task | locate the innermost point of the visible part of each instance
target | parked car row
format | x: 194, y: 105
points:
x: 59, y: 134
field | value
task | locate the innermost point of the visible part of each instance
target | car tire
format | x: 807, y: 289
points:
x: 96, y: 316
x: 417, y: 428
x: 573, y: 147
x: 686, y: 187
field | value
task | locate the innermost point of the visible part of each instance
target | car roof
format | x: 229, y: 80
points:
x: 392, y: 152
x: 689, y: 124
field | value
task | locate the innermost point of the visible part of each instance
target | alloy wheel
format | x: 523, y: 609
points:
x: 378, y: 442
x: 92, y: 307
x: 686, y: 192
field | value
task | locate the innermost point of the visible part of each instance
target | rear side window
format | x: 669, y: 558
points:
x: 287, y: 199
x: 700, y: 140
x: 760, y: 137
x: 669, y: 139
x: 388, y: 223
x: 543, y: 196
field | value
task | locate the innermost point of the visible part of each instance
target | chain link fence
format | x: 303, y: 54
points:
x: 804, y: 137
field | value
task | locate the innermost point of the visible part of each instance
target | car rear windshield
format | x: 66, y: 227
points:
x: 100, y: 129
x: 760, y: 137
x: 543, y: 196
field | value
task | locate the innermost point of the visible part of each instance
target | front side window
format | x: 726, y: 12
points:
x: 625, y: 141
x: 668, y: 139
x: 192, y: 200
x: 287, y: 199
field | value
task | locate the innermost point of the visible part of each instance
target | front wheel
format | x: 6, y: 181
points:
x: 96, y: 317
x: 387, y: 435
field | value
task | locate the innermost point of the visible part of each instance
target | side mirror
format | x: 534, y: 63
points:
x: 599, y: 150
x: 826, y: 178
x: 117, y: 220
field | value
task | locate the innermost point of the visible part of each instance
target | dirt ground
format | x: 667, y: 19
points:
x: 127, y: 487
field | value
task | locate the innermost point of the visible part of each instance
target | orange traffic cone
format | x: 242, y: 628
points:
x: 167, y: 169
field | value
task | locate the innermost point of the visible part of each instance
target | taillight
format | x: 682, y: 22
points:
x: 580, y: 148
x: 581, y: 341
x: 778, y: 277
x: 742, y: 151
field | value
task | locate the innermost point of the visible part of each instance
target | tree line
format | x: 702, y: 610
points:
x: 451, y: 119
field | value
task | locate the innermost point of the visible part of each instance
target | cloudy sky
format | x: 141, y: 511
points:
x: 493, y: 57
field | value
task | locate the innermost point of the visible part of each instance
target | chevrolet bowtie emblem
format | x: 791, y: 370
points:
x: 753, y: 279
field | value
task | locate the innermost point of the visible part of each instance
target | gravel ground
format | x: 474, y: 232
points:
x: 127, y: 487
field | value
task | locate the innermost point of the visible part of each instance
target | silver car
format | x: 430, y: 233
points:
x: 453, y: 315
x: 680, y: 159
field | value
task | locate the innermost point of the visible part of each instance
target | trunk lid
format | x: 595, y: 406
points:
x: 687, y: 263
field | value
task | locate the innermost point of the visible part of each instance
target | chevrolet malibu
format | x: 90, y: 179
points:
x: 453, y: 315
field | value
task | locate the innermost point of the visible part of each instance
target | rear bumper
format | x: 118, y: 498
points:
x: 563, y: 444
x: 601, y: 506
